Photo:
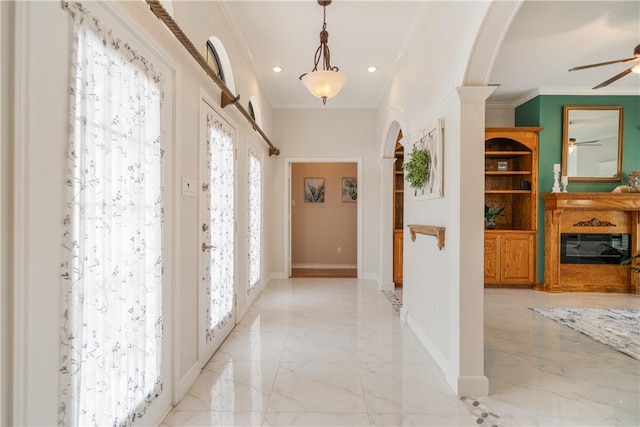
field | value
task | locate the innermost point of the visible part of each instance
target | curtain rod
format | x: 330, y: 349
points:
x: 227, y: 96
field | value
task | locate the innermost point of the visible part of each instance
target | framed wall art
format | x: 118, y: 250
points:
x: 314, y: 190
x: 433, y: 141
x: 349, y: 190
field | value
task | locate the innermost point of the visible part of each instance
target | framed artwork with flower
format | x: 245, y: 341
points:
x: 349, y: 190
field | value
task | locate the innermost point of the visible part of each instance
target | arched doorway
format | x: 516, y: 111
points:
x: 398, y: 211
x: 397, y: 132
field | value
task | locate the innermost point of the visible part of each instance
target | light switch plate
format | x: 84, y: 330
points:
x: 188, y: 187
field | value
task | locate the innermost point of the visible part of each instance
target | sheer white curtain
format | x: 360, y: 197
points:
x: 112, y: 270
x: 220, y: 292
x: 255, y: 220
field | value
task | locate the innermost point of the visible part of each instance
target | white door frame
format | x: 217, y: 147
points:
x: 207, y: 349
x: 287, y: 204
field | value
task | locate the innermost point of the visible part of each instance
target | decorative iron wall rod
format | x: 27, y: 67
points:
x: 227, y: 96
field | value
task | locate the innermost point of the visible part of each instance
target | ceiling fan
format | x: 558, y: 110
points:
x: 574, y: 143
x: 634, y: 68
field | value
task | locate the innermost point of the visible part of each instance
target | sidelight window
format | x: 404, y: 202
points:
x: 255, y: 223
x: 113, y: 267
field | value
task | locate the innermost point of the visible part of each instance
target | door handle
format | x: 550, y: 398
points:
x: 206, y: 247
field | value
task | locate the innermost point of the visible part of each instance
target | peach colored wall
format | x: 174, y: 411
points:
x: 318, y: 229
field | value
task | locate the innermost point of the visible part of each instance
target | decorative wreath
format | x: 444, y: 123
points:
x: 417, y: 169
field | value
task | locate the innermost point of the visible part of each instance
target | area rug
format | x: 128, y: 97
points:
x: 619, y: 328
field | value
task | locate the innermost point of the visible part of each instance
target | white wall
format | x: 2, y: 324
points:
x: 444, y: 289
x: 41, y: 82
x: 5, y: 259
x: 328, y: 134
x: 498, y: 115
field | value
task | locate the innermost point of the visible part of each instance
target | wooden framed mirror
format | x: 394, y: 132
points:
x: 592, y: 143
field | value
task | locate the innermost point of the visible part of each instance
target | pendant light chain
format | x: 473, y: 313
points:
x: 323, y: 50
x: 322, y: 84
x: 324, y: 18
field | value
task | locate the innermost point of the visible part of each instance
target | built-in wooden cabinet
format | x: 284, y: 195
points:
x: 398, y: 241
x: 509, y: 257
x: 398, y: 205
x: 511, y: 181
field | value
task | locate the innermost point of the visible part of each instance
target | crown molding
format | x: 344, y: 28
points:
x: 563, y: 91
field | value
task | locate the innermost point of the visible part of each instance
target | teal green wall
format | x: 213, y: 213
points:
x: 546, y: 111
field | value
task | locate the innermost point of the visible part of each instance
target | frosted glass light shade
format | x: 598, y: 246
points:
x: 324, y: 84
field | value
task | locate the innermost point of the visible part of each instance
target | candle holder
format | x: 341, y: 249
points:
x: 564, y: 181
x: 556, y: 182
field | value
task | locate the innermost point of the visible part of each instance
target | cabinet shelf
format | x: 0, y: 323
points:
x: 507, y: 173
x: 508, y: 229
x: 507, y: 192
x: 506, y: 154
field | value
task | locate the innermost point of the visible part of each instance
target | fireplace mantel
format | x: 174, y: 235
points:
x: 592, y: 201
x: 589, y: 213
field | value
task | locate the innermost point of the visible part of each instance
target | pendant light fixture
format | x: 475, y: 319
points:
x: 325, y: 83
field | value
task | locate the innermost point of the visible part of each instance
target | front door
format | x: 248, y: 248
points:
x: 216, y: 230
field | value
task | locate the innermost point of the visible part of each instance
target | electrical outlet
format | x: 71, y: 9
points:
x: 188, y: 187
x: 339, y: 250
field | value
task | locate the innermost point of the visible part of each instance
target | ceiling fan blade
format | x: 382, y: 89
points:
x: 600, y: 64
x: 614, y: 78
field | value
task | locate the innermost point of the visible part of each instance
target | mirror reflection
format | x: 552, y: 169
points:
x: 592, y: 143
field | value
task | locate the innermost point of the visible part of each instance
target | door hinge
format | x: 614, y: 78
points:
x: 235, y: 300
x: 235, y: 226
x: 235, y: 154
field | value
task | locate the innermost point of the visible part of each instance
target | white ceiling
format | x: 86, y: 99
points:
x: 544, y: 41
x: 547, y: 38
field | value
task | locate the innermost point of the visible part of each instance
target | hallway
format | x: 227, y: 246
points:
x: 338, y: 355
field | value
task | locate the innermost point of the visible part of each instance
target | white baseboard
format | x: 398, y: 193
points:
x: 277, y: 276
x: 387, y: 286
x: 370, y: 276
x: 443, y: 363
x: 473, y: 386
x: 186, y: 382
x: 462, y: 385
x: 404, y: 315
x: 323, y: 266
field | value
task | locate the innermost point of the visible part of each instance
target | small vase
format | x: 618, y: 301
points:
x: 490, y: 223
x: 634, y: 181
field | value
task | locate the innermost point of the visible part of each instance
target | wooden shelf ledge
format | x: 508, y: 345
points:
x: 429, y: 230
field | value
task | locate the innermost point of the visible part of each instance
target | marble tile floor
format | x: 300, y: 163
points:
x: 333, y: 352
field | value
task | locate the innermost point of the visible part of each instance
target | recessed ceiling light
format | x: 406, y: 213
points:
x: 372, y: 69
x: 276, y: 69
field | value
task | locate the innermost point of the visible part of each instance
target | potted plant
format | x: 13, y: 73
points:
x: 490, y: 214
x: 630, y: 262
x: 417, y: 169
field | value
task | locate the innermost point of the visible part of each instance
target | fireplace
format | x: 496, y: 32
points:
x: 602, y: 248
x: 585, y: 237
